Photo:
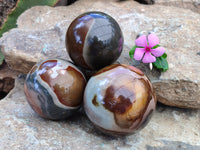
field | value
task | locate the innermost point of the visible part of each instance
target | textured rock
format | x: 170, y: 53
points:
x: 42, y: 35
x: 21, y: 128
x: 193, y: 5
x: 5, y: 71
x: 7, y: 79
x: 6, y: 84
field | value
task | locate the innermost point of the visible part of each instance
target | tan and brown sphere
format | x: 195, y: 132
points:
x: 119, y: 99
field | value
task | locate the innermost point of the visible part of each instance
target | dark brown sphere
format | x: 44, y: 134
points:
x: 94, y: 40
x: 119, y: 99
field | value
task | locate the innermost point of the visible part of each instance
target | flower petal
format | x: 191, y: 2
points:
x: 158, y: 51
x: 139, y: 53
x: 148, y: 58
x: 153, y: 40
x: 141, y: 41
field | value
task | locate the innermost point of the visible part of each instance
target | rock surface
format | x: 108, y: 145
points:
x: 42, y: 35
x: 193, y: 5
x: 21, y: 128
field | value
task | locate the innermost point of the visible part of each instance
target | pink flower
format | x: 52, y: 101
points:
x: 145, y: 52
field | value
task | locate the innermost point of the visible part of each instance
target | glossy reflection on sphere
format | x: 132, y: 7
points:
x: 94, y: 40
x: 119, y: 99
x: 54, y: 88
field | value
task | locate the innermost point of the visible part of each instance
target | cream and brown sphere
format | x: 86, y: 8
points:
x: 54, y: 88
x: 119, y: 99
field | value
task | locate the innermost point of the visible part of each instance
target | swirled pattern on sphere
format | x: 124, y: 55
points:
x: 54, y: 88
x: 94, y: 40
x: 119, y: 99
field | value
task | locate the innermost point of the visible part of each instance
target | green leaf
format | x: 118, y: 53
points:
x: 132, y: 51
x: 21, y: 6
x: 156, y: 46
x: 161, y: 64
x: 164, y: 56
x: 1, y: 58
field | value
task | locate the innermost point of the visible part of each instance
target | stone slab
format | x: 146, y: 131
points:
x: 21, y: 128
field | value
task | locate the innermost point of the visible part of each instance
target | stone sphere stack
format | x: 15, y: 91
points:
x: 118, y: 98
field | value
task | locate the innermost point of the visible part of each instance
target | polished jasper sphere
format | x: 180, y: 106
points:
x: 119, y: 99
x: 54, y: 88
x: 94, y: 40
